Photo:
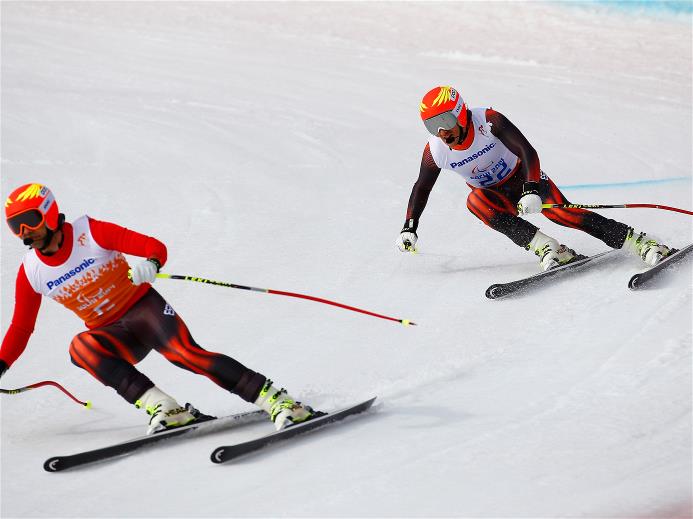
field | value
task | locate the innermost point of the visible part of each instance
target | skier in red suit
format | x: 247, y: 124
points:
x: 81, y: 265
x: 502, y: 169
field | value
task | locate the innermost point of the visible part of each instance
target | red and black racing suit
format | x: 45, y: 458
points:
x: 110, y: 351
x: 496, y: 206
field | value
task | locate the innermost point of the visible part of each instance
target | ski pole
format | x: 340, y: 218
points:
x: 86, y: 404
x: 405, y: 322
x: 614, y: 206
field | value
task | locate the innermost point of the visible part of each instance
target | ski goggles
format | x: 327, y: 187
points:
x: 445, y: 121
x: 31, y: 219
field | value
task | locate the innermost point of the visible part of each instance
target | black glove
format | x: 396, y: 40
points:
x: 530, y: 188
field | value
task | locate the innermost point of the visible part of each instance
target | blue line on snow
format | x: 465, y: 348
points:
x: 627, y: 184
x: 643, y: 7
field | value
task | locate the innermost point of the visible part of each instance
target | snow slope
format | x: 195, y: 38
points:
x: 275, y: 145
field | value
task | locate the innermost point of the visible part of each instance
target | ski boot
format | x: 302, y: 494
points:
x: 649, y: 250
x: 165, y: 412
x: 282, y: 408
x: 551, y: 254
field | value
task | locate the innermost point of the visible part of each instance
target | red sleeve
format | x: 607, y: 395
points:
x: 114, y: 237
x: 428, y: 174
x: 513, y: 139
x: 26, y: 307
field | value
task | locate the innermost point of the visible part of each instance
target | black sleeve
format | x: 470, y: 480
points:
x: 428, y: 174
x: 513, y: 139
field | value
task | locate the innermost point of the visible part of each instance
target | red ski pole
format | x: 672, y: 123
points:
x: 405, y: 322
x: 86, y: 404
x: 615, y: 206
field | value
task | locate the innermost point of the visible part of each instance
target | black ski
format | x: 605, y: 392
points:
x: 58, y: 463
x: 505, y: 289
x: 643, y: 278
x: 230, y: 452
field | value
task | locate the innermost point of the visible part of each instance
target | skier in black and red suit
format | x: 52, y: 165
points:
x: 502, y: 169
x: 81, y: 265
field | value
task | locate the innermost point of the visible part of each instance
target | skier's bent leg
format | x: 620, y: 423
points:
x: 233, y: 376
x: 496, y: 210
x: 609, y: 231
x: 181, y: 349
x: 100, y: 353
x: 108, y: 354
x: 616, y: 235
x: 155, y: 322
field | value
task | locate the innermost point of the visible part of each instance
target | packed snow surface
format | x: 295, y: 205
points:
x: 275, y: 145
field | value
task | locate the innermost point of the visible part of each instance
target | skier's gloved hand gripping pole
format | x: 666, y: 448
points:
x: 3, y: 368
x: 615, y: 206
x: 530, y: 202
x: 406, y: 242
x: 405, y: 322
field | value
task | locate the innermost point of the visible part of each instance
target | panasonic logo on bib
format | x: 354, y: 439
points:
x: 71, y: 273
x: 473, y: 156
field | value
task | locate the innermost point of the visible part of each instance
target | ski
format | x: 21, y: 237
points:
x: 230, y: 452
x: 58, y: 463
x: 500, y: 290
x: 643, y: 278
